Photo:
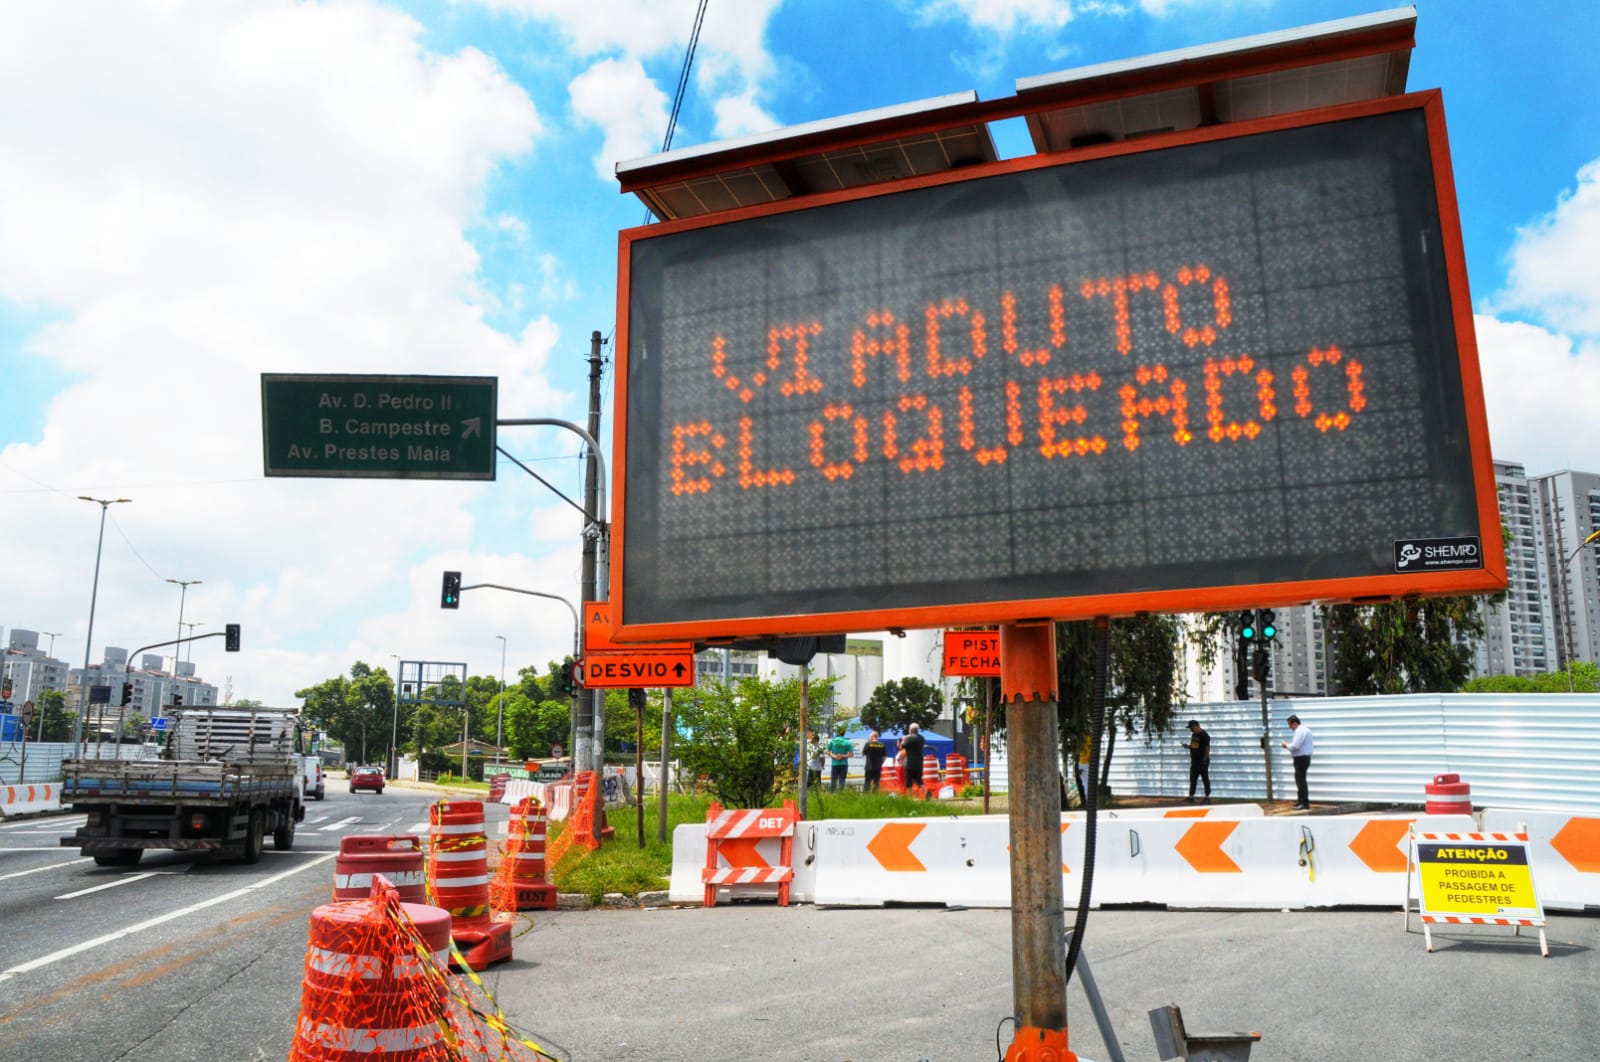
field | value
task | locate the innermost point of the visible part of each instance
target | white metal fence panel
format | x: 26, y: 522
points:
x: 1515, y: 750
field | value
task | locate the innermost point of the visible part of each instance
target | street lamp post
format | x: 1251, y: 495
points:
x: 183, y: 585
x: 191, y: 627
x: 88, y: 641
x: 500, y: 715
x: 1566, y: 586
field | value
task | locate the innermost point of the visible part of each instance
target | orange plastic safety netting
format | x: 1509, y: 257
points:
x: 579, y: 828
x: 378, y: 984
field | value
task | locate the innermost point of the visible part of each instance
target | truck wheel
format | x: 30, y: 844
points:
x: 256, y: 839
x: 283, y: 836
x: 118, y: 857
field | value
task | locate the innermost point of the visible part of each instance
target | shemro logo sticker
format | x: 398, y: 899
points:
x: 1409, y: 552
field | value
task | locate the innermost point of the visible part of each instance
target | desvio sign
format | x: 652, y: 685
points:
x: 1221, y: 370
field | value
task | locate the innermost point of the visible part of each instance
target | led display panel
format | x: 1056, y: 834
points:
x: 1055, y: 390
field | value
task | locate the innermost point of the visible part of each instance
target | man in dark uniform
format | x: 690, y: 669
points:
x: 874, y: 752
x: 1199, y: 746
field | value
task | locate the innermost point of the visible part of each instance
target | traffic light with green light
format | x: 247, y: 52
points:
x: 450, y: 594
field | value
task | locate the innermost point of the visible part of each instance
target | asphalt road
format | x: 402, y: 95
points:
x: 182, y: 959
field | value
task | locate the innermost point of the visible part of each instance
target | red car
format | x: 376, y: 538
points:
x: 366, y: 778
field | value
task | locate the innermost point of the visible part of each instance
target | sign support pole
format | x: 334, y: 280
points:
x: 1038, y: 950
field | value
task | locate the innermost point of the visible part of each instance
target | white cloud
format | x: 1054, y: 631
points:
x: 1555, y: 274
x: 619, y: 97
x: 1540, y: 388
x: 732, y: 72
x: 204, y: 192
x: 1001, y: 16
x: 1541, y: 376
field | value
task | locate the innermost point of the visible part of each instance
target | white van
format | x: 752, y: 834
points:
x: 316, y: 786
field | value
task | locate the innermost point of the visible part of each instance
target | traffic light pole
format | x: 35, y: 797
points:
x: 1266, y: 736
x: 577, y: 626
x: 590, y: 747
x: 127, y: 672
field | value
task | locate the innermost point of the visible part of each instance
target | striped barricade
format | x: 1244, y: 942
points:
x: 1564, y: 848
x: 749, y: 852
x: 25, y: 799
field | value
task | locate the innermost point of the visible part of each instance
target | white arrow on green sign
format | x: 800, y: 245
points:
x: 380, y: 427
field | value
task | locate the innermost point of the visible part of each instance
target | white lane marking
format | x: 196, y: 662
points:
x: 53, y: 848
x: 124, y: 880
x: 342, y: 823
x: 47, y: 824
x: 36, y: 870
x: 151, y: 923
x: 421, y: 827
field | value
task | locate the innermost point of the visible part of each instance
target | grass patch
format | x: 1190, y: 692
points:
x: 622, y: 866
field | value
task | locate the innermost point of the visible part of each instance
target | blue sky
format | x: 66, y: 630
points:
x: 199, y: 192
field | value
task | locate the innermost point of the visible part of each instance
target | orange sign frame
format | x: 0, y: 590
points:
x: 1372, y: 587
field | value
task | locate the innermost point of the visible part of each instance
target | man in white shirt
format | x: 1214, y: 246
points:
x: 1299, y: 747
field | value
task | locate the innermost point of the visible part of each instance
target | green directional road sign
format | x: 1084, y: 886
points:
x: 379, y: 427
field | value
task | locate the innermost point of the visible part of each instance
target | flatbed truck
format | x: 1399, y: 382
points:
x: 226, y: 780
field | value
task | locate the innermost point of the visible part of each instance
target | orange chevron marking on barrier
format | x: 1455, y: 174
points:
x: 1377, y: 845
x: 891, y: 847
x: 742, y: 852
x: 1187, y: 813
x: 1201, y: 847
x: 1578, y: 842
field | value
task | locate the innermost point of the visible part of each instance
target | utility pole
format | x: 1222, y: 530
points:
x: 592, y: 544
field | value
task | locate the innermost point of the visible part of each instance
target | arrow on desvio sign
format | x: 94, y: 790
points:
x: 622, y: 670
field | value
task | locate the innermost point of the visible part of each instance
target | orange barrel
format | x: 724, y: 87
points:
x: 397, y: 858
x: 930, y: 772
x: 955, y: 770
x: 521, y: 878
x: 458, y: 860
x: 367, y: 993
x: 889, y: 779
x: 1448, y: 795
x: 497, y: 787
x: 526, y: 834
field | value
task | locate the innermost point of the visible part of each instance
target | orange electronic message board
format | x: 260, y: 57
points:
x: 1230, y: 367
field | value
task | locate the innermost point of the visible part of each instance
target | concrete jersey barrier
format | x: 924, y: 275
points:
x: 1228, y: 857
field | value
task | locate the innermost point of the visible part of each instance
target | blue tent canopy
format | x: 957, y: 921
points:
x: 937, y: 744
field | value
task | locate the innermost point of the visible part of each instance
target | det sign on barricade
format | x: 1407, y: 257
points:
x: 1480, y: 879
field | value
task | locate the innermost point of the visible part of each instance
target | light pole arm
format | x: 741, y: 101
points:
x: 597, y: 521
x: 576, y: 622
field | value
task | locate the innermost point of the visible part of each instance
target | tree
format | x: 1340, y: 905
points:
x: 1143, y: 682
x: 1585, y: 679
x: 742, y: 737
x: 357, y: 712
x: 533, y: 727
x: 896, y: 704
x: 1423, y: 646
x: 54, y: 721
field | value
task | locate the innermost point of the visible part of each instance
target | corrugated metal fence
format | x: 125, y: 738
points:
x: 1515, y: 750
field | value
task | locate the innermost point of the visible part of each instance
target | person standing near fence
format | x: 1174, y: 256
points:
x: 910, y: 756
x: 1199, y: 746
x: 1299, y: 747
x: 839, y: 751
